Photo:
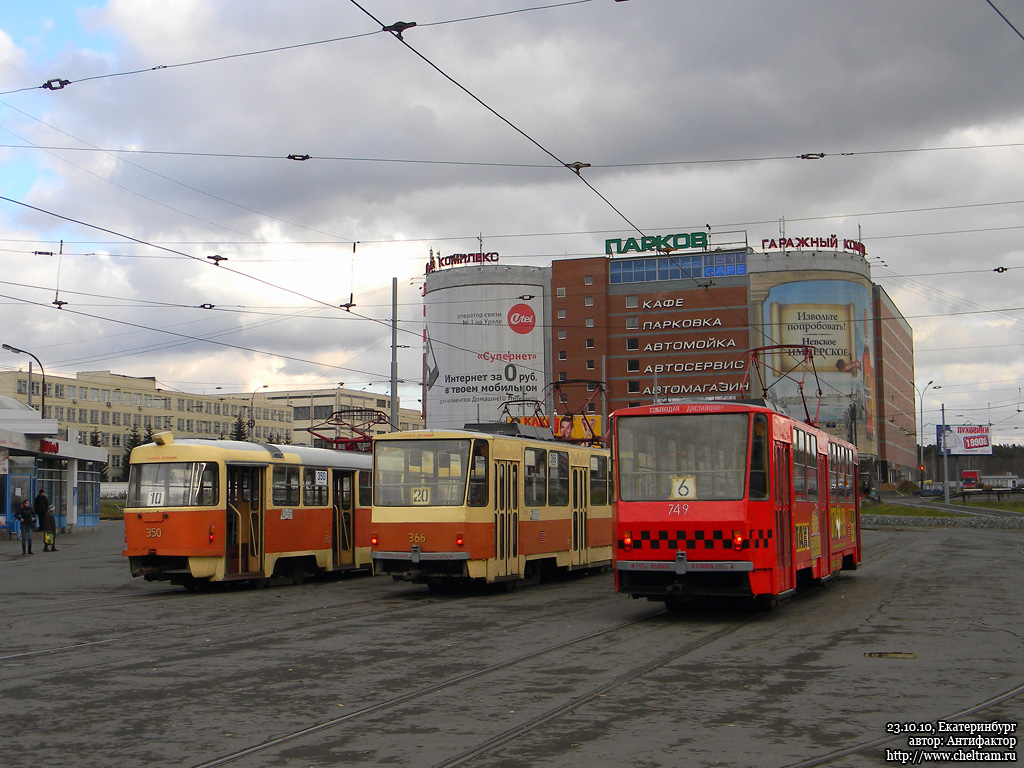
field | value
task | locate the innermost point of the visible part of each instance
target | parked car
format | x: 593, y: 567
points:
x: 930, y: 489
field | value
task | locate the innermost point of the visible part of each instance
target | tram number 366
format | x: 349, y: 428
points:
x: 154, y: 533
x: 417, y: 538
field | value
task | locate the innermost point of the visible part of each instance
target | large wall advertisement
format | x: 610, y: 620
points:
x: 833, y: 317
x: 484, y: 345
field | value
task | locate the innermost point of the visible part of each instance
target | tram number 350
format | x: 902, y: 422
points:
x: 154, y: 533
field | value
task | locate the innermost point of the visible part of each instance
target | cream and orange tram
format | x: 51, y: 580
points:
x: 203, y: 511
x: 466, y: 505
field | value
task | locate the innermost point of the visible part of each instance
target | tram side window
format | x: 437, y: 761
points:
x: 286, y: 486
x: 558, y: 478
x: 812, y: 467
x: 365, y: 488
x: 536, y: 476
x: 799, y: 466
x: 478, y: 475
x: 598, y: 480
x: 315, y: 491
x: 759, y: 458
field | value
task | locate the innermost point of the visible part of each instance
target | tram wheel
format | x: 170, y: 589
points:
x: 298, y: 573
x: 768, y: 603
x: 675, y: 605
x: 533, y: 575
x: 258, y: 583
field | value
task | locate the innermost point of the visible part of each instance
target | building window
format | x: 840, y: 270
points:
x: 590, y: 365
x: 590, y: 322
x: 590, y: 343
x: 632, y: 323
x: 632, y: 345
x: 58, y: 390
x: 588, y: 280
x: 560, y: 293
x: 22, y: 387
x: 633, y: 387
x: 563, y: 335
x: 588, y: 301
x: 591, y: 408
x: 632, y: 302
x: 563, y: 376
x: 562, y: 355
x: 561, y: 314
x: 632, y: 366
x: 382, y: 403
x: 633, y: 405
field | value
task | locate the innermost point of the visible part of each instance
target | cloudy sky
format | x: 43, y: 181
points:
x: 168, y: 144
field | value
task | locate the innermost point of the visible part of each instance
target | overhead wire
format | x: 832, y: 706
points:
x: 59, y: 83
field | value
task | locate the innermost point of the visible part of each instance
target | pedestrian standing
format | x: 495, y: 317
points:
x: 27, y: 517
x: 49, y: 527
x: 40, y: 506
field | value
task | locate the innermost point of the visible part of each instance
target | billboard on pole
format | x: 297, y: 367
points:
x: 484, y: 345
x: 964, y: 439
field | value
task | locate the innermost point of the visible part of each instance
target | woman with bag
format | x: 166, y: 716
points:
x: 49, y: 526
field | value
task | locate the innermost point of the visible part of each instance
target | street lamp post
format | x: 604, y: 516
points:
x: 920, y: 435
x: 42, y: 374
x: 252, y: 411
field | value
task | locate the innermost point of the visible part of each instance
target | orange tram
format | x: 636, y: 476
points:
x: 201, y: 511
x: 466, y: 506
x: 730, y: 499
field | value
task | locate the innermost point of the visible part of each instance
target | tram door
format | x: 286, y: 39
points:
x: 824, y: 518
x: 580, y: 554
x: 245, y: 507
x: 506, y: 518
x: 784, y: 516
x: 344, y: 518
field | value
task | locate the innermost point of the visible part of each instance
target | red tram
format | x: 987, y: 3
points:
x: 730, y: 499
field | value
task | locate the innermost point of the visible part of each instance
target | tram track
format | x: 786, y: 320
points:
x: 190, y: 634
x: 864, y: 746
x: 350, y: 611
x: 511, y: 734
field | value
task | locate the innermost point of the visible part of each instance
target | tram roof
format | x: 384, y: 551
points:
x: 236, y: 450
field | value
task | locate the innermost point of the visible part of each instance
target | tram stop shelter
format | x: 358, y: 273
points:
x: 34, y: 454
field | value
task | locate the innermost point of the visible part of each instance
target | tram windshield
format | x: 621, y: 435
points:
x: 175, y: 484
x: 423, y: 473
x: 682, y: 457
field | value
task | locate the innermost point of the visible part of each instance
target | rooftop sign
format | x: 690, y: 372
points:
x: 661, y: 243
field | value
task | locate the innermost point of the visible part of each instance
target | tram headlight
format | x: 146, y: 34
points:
x: 459, y: 539
x: 627, y: 540
x: 211, y: 536
x: 373, y: 540
x: 737, y: 539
